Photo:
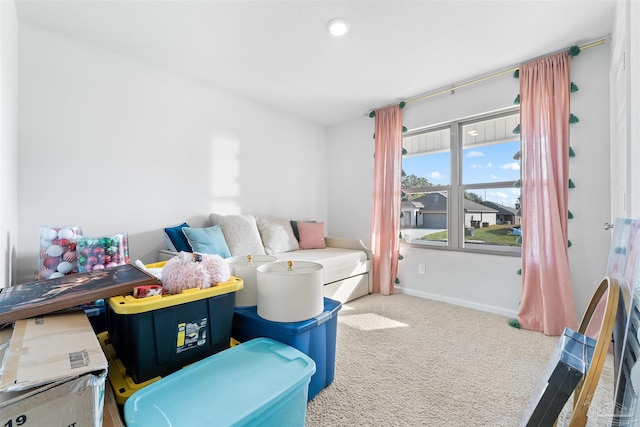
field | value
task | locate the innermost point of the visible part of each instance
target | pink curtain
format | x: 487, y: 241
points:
x: 387, y: 187
x: 547, y: 303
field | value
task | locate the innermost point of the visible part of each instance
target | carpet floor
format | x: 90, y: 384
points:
x: 408, y: 361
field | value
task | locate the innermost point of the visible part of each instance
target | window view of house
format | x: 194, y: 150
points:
x: 460, y: 185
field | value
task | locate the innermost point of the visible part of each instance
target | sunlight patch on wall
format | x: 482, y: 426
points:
x: 370, y: 322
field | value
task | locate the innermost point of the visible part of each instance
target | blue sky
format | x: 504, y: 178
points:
x: 488, y: 163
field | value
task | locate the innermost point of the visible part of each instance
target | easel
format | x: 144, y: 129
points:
x: 587, y: 386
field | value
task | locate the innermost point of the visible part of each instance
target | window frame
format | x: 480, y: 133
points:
x: 456, y: 188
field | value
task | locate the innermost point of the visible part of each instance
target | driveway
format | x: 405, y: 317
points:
x: 416, y: 233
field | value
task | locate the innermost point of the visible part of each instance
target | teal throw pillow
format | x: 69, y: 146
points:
x: 209, y: 240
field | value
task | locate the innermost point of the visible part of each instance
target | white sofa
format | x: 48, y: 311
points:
x: 346, y: 262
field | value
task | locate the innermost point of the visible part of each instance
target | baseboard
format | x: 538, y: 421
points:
x: 457, y: 301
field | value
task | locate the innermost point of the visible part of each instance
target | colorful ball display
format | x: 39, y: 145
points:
x: 51, y: 262
x: 57, y: 255
x: 65, y: 267
x: 70, y: 256
x: 55, y: 250
x: 48, y: 234
x: 65, y: 233
x: 97, y: 253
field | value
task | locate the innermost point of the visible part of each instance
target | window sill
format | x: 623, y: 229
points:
x: 510, y: 251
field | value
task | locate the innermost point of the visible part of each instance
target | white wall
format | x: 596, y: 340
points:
x: 633, y: 41
x: 350, y: 152
x: 8, y: 141
x: 590, y: 201
x: 480, y: 281
x: 112, y: 145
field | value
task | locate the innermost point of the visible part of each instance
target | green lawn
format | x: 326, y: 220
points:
x: 492, y: 235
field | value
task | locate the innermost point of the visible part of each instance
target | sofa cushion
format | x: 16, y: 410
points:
x: 337, y: 263
x: 240, y: 232
x: 311, y: 235
x: 277, y: 235
x: 294, y: 227
x: 209, y: 240
x: 175, y: 239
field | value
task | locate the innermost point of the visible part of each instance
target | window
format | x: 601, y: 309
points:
x: 460, y: 185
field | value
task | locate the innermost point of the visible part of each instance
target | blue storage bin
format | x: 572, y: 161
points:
x: 261, y: 382
x: 315, y: 337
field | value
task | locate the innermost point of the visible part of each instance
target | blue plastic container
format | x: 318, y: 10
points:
x: 315, y: 337
x: 261, y: 382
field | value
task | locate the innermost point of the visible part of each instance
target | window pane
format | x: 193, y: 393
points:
x: 460, y: 186
x: 491, y: 218
x: 488, y: 149
x: 427, y: 158
x: 424, y: 218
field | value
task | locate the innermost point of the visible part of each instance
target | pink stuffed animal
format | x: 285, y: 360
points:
x: 187, y: 270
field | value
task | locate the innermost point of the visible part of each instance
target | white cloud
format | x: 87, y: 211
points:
x: 492, y: 176
x: 436, y: 176
x: 515, y: 166
x: 489, y: 165
x: 475, y: 154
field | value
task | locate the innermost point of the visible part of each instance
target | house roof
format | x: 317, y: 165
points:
x: 412, y: 204
x: 502, y: 210
x: 433, y: 202
x: 473, y: 207
x: 437, y: 202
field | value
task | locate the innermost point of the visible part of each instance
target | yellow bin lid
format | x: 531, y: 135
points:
x: 127, y: 304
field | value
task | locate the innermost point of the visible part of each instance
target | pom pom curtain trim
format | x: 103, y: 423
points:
x: 512, y: 70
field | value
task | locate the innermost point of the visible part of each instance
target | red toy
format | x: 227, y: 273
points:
x: 147, y: 291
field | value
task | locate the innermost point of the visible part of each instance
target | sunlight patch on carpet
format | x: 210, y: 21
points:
x: 370, y: 322
x: 346, y: 307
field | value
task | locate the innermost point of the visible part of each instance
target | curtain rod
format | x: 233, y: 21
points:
x: 489, y: 76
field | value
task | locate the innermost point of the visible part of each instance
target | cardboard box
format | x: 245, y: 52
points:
x: 111, y: 413
x: 53, y: 372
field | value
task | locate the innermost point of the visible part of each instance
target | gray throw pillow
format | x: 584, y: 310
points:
x: 240, y: 232
x: 277, y: 235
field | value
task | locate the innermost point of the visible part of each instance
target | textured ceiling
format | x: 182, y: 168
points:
x: 279, y: 54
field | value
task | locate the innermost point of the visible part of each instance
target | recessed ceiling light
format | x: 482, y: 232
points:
x: 338, y: 27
